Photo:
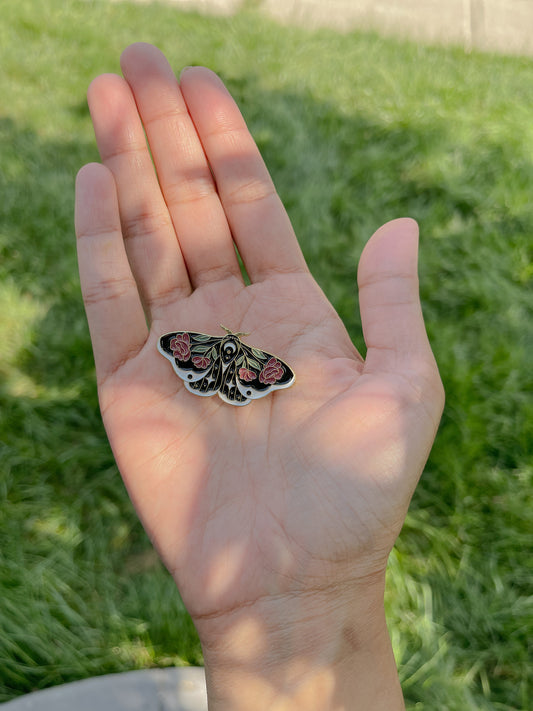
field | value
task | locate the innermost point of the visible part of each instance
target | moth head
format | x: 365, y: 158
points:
x: 229, y: 347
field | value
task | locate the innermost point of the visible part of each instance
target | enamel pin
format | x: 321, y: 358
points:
x: 225, y: 365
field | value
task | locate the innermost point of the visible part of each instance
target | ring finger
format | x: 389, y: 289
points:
x: 150, y: 239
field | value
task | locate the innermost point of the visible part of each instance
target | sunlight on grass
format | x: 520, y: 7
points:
x: 56, y: 526
x: 19, y: 313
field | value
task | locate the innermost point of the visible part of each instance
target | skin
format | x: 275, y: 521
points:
x: 275, y: 519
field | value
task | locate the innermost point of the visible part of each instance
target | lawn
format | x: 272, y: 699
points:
x: 356, y: 130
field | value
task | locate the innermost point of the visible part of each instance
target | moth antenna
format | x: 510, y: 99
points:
x: 238, y: 335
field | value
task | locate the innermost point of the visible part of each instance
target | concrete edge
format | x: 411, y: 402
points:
x: 174, y: 689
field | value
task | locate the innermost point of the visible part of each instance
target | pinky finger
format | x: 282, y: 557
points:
x: 114, y: 311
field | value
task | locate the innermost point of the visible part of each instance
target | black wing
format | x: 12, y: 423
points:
x: 259, y: 372
x: 195, y: 358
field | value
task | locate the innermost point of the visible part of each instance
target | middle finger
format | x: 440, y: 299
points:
x: 184, y: 174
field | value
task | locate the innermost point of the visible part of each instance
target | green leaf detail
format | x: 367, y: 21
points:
x: 201, y: 338
x: 259, y: 354
x: 200, y: 349
x: 253, y: 363
x: 240, y: 360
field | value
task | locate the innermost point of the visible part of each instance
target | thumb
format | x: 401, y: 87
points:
x: 391, y: 315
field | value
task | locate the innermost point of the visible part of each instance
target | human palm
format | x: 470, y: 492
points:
x: 305, y: 489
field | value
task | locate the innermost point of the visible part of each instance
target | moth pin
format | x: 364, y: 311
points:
x: 224, y: 365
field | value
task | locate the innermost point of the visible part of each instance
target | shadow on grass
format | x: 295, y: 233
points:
x: 340, y: 176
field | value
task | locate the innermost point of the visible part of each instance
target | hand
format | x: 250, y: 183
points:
x: 275, y: 519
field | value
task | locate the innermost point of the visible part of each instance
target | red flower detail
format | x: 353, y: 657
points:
x: 272, y: 372
x: 180, y: 346
x: 247, y: 375
x: 201, y: 362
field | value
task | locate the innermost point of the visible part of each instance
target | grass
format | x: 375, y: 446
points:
x: 356, y: 130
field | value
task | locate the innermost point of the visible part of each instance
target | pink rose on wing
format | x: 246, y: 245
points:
x: 272, y: 372
x: 247, y: 375
x: 201, y: 362
x: 180, y: 346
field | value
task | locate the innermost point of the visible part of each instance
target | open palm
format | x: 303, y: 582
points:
x: 306, y: 488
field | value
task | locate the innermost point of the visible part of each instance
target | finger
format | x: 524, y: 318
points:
x: 114, y: 311
x: 393, y: 325
x: 258, y: 220
x: 184, y: 175
x: 151, y: 242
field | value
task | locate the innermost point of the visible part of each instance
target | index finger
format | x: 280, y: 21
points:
x: 259, y: 223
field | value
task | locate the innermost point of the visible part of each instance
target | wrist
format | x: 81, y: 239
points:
x: 314, y: 651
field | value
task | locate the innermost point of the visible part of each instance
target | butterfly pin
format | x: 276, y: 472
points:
x: 224, y: 365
